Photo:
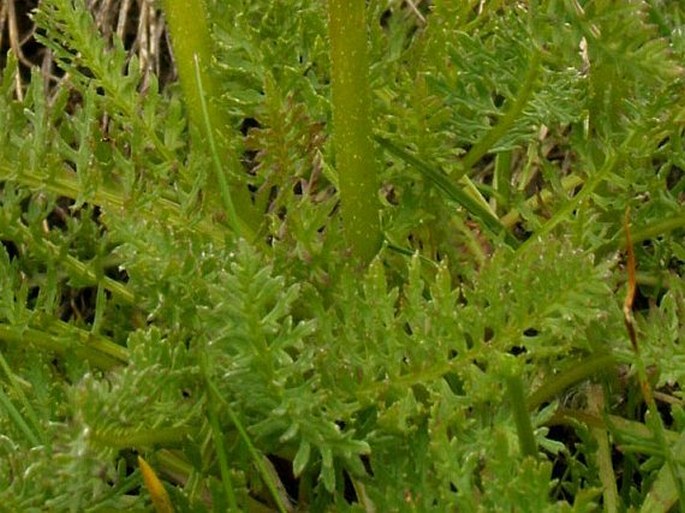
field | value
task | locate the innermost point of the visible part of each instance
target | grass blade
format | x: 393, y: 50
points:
x: 451, y: 191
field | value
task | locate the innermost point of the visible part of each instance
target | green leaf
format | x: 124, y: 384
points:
x: 301, y: 458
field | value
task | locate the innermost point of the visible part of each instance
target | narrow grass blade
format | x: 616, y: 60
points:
x: 215, y: 398
x: 256, y: 457
x: 30, y: 412
x: 239, y: 228
x: 450, y: 190
x: 15, y: 415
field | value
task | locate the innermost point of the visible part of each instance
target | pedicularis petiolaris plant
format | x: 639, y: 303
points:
x: 369, y: 256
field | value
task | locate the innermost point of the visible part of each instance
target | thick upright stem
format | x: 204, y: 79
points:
x: 187, y: 22
x: 351, y: 97
x: 191, y: 41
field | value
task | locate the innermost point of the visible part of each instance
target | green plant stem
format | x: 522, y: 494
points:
x: 656, y: 229
x: 73, y: 265
x: 215, y: 398
x: 564, y: 211
x: 603, y: 454
x: 576, y: 373
x: 656, y: 424
x: 177, y: 469
x: 217, y: 435
x: 122, y: 438
x: 238, y: 227
x: 508, y: 119
x: 190, y: 37
x: 623, y: 429
x: 267, y: 477
x: 502, y: 179
x: 67, y: 184
x: 524, y: 428
x: 61, y: 337
x: 568, y: 184
x: 191, y: 41
x: 355, y: 157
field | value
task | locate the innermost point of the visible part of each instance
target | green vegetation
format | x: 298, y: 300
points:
x: 352, y: 136
x: 367, y: 256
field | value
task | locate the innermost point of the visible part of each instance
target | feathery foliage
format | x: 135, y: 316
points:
x: 481, y: 361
